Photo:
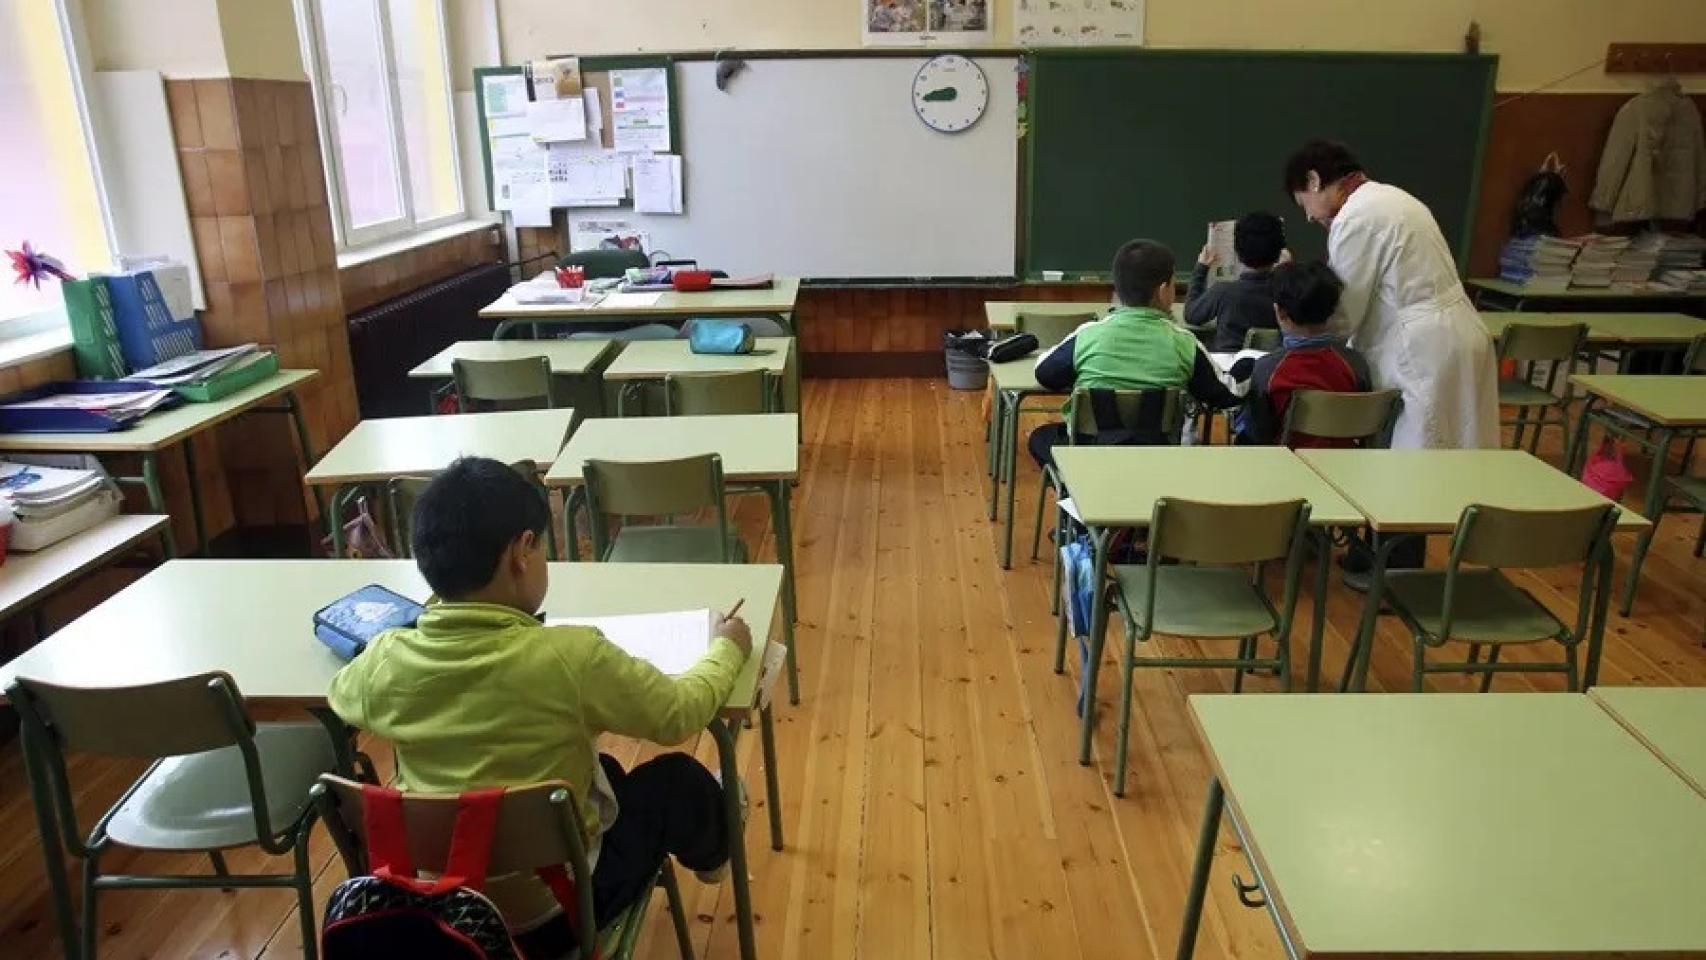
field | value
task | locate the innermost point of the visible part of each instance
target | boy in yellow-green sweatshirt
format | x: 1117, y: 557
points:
x: 481, y: 694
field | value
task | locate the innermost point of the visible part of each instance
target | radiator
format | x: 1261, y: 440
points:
x: 390, y: 338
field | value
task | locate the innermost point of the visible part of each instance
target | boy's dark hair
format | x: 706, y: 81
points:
x: 1258, y: 239
x: 1140, y: 268
x: 1307, y: 292
x: 466, y: 518
x: 1330, y: 159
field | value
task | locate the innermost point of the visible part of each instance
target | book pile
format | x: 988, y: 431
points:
x: 1597, y: 262
x: 200, y: 366
x: 1692, y: 281
x: 1680, y: 259
x: 1540, y: 264
x: 1635, y: 265
x: 122, y: 407
x: 55, y: 497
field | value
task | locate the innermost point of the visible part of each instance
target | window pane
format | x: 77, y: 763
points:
x: 47, y: 192
x: 417, y: 52
x: 361, y: 111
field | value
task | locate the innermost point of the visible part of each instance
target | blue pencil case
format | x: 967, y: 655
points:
x: 349, y: 624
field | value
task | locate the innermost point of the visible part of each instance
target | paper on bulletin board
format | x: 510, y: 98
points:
x: 553, y: 120
x: 520, y: 175
x: 1063, y: 23
x: 607, y: 235
x: 657, y: 183
x: 505, y: 97
x: 531, y: 215
x: 594, y: 111
x: 580, y: 179
x: 640, y: 109
x: 556, y: 79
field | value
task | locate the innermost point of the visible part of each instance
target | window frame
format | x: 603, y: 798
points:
x: 348, y: 237
x: 74, y: 37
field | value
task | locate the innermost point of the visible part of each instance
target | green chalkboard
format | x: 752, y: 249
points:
x: 1158, y: 143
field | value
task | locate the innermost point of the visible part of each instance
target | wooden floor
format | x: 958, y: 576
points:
x: 933, y: 803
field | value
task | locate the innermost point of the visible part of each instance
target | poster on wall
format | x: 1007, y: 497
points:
x: 925, y: 23
x: 1069, y: 23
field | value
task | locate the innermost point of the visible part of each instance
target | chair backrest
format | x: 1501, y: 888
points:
x: 1141, y: 412
x: 524, y: 380
x: 1694, y: 361
x: 401, y: 494
x: 712, y: 394
x: 538, y: 826
x: 1263, y: 338
x: 1542, y: 342
x: 1226, y: 534
x: 605, y: 264
x: 1492, y: 536
x: 1367, y: 417
x: 1051, y: 328
x: 654, y: 487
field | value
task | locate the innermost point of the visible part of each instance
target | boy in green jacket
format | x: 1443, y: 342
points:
x: 480, y: 694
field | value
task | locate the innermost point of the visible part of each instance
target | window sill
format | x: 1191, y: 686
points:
x: 22, y: 349
x: 423, y: 238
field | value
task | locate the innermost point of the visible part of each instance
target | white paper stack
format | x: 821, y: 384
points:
x: 54, y: 497
x: 1596, y: 264
x: 122, y: 407
x: 200, y: 366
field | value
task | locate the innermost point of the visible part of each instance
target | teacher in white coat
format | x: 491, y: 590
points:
x: 1403, y: 305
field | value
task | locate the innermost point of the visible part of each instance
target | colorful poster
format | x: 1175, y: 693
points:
x: 925, y: 22
x: 1063, y: 23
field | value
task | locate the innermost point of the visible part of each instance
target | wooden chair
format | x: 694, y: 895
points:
x: 1365, y: 418
x: 522, y: 383
x: 1483, y: 607
x: 1553, y: 348
x: 660, y: 488
x: 1212, y: 593
x: 218, y: 781
x: 538, y: 826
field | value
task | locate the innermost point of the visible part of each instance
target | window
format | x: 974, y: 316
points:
x: 382, y: 83
x: 48, y: 193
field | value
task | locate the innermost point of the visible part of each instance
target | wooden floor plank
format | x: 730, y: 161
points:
x: 931, y: 794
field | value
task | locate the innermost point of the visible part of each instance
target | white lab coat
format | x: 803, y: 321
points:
x: 1405, y: 309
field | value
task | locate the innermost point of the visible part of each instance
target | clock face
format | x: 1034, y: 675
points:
x: 950, y: 93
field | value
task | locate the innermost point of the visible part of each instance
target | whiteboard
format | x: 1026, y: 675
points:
x: 819, y: 168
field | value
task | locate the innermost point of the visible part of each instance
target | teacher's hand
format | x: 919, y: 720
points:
x: 1285, y: 255
x: 1206, y: 257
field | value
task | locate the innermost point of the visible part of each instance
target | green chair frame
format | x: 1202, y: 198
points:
x: 1495, y: 539
x: 402, y: 492
x: 656, y: 488
x: 718, y: 394
x: 1548, y: 348
x: 1215, y: 542
x: 1366, y: 418
x: 538, y: 826
x: 1083, y: 423
x: 520, y: 383
x: 158, y: 721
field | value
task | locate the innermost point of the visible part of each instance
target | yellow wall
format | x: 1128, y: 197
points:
x: 179, y: 38
x: 1537, y: 40
x: 261, y: 39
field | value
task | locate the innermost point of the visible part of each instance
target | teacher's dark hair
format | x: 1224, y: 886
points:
x: 1329, y: 159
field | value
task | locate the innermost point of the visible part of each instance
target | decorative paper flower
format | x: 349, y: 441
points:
x: 31, y: 266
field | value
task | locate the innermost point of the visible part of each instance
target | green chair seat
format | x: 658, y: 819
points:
x: 1486, y: 608
x: 673, y: 544
x: 201, y: 801
x: 1195, y: 601
x: 1694, y: 488
x: 1516, y: 393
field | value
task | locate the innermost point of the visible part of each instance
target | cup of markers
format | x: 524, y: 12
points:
x: 572, y: 279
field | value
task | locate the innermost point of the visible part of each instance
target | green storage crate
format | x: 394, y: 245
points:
x: 225, y: 384
x: 94, y: 331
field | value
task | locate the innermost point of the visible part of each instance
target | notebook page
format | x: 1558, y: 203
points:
x: 673, y: 642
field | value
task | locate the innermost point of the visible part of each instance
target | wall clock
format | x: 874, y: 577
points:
x: 950, y: 93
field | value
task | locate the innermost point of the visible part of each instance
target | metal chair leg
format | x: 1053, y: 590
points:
x: 305, y: 895
x: 1492, y: 658
x: 91, y: 920
x: 1128, y: 664
x: 677, y: 915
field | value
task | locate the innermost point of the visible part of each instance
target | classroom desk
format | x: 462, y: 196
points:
x: 643, y: 360
x: 380, y: 450
x: 1010, y: 384
x: 1673, y: 406
x: 253, y: 620
x: 1667, y: 720
x: 568, y: 358
x: 1405, y: 493
x: 26, y: 579
x: 760, y: 449
x: 161, y: 429
x: 1116, y: 488
x: 1495, y: 294
x: 1610, y: 330
x: 1451, y: 826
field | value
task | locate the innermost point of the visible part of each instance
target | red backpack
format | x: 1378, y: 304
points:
x: 390, y: 912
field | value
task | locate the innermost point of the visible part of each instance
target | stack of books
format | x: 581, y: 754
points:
x: 55, y: 497
x: 1692, y: 281
x: 1597, y: 262
x: 200, y: 366
x: 1681, y: 252
x: 1540, y: 264
x: 122, y: 408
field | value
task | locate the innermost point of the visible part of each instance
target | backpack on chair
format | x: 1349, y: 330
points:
x: 390, y: 912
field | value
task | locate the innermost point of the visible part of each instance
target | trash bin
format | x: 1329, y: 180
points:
x: 965, y: 351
